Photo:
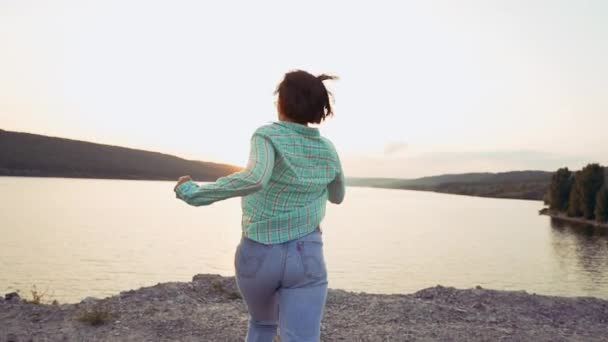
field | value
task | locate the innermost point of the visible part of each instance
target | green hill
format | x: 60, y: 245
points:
x: 24, y: 154
x: 515, y: 184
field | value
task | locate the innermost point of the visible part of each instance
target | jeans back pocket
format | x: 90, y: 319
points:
x: 313, y: 262
x: 249, y: 258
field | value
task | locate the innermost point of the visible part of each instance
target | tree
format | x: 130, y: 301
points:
x: 546, y: 195
x: 591, y: 180
x: 574, y: 200
x: 601, y: 204
x: 559, y: 190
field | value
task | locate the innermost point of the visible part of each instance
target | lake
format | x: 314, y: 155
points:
x: 74, y: 238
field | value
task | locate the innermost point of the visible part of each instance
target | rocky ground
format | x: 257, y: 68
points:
x: 210, y: 309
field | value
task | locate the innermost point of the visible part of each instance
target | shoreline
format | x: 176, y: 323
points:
x: 127, y: 178
x: 577, y: 220
x: 210, y: 308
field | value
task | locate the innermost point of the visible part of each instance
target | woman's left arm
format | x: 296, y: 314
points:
x: 251, y: 179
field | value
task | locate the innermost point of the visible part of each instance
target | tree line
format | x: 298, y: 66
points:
x: 583, y: 193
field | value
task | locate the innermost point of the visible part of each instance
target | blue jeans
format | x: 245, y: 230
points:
x: 284, y: 286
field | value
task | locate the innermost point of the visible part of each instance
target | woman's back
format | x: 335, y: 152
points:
x: 292, y: 203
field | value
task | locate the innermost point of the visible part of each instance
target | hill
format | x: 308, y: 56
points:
x: 25, y: 154
x: 530, y: 185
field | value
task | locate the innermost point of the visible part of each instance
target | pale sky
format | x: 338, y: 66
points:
x: 427, y: 87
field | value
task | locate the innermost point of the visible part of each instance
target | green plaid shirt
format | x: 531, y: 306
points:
x: 291, y: 174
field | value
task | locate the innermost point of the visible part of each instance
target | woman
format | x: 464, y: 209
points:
x: 291, y: 174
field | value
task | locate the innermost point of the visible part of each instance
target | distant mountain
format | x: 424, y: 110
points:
x: 515, y: 184
x: 25, y: 154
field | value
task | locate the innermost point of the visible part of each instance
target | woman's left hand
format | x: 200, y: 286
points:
x: 181, y: 180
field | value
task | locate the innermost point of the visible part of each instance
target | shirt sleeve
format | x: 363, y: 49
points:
x: 251, y: 179
x: 337, y: 188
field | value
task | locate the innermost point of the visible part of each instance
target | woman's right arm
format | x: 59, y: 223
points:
x: 253, y: 178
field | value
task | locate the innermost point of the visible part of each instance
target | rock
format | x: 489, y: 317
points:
x: 479, y: 306
x: 477, y: 291
x: 426, y: 293
x: 12, y: 297
x: 492, y: 319
x: 181, y: 299
x: 89, y: 300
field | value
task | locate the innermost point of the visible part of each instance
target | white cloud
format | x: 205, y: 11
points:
x: 395, y: 147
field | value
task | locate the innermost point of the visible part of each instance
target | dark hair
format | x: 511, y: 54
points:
x: 303, y: 97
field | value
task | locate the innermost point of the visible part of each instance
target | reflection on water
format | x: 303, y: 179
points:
x: 80, y: 237
x: 581, y: 250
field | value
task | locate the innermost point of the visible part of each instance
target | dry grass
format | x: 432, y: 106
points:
x: 37, y: 296
x: 232, y: 295
x: 96, y: 316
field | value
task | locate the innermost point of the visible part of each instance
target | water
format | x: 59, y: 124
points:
x: 74, y: 238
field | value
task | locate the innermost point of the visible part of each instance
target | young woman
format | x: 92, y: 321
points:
x: 291, y: 174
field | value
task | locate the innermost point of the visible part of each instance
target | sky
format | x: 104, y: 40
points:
x: 426, y: 87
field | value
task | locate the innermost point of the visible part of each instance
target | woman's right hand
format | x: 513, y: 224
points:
x: 182, y: 179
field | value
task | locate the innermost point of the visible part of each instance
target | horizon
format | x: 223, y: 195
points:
x: 434, y: 87
x: 347, y: 177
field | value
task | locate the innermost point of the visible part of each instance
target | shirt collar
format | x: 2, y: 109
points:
x: 306, y: 130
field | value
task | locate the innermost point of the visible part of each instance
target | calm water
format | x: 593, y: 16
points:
x: 77, y: 238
